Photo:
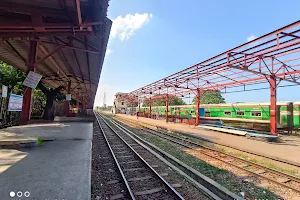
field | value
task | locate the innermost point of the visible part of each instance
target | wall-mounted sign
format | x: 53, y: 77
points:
x: 32, y: 79
x: 68, y: 97
x: 15, y: 102
x: 4, y: 91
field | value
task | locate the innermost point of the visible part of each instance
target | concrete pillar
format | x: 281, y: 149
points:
x: 27, y: 98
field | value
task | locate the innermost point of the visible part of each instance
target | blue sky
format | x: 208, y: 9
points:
x: 151, y: 39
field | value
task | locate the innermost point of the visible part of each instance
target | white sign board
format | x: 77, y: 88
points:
x: 4, y: 91
x: 15, y: 102
x: 32, y: 79
x: 68, y: 97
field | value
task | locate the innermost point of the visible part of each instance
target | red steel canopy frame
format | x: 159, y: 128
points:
x: 63, y: 40
x: 270, y: 59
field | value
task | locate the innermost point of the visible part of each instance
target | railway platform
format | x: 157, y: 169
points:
x: 288, y: 150
x: 59, y: 168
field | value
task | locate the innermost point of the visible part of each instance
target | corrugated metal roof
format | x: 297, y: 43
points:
x: 81, y: 67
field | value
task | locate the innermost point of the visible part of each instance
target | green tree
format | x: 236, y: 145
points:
x: 173, y: 101
x: 12, y: 78
x: 210, y: 97
x: 51, y: 96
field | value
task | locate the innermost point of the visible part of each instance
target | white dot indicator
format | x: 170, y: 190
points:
x: 19, y: 194
x: 26, y: 194
x: 12, y: 194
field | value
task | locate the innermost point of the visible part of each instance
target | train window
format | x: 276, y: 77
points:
x: 240, y: 113
x: 207, y: 113
x: 256, y: 113
x: 227, y: 113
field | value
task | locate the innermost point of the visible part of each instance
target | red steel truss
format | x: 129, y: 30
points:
x: 270, y: 59
x: 65, y: 41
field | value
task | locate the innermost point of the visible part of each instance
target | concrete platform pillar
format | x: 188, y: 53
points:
x: 27, y: 98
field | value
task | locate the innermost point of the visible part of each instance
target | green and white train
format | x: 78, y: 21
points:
x: 288, y: 114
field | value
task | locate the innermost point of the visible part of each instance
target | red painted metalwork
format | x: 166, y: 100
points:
x: 68, y: 101
x: 273, y: 115
x: 53, y: 26
x: 139, y: 105
x: 150, y: 108
x: 167, y: 108
x: 275, y: 56
x: 26, y: 107
x: 198, y: 107
x: 59, y: 69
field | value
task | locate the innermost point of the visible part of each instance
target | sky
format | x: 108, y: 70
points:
x: 151, y: 39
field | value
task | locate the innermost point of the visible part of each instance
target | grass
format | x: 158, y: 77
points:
x: 261, y: 162
x: 223, y: 177
x: 245, y: 157
x: 39, y: 141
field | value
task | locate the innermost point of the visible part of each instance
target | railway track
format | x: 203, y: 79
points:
x: 271, y: 175
x: 136, y: 178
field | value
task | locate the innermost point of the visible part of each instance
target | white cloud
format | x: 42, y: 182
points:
x: 125, y: 27
x: 110, y: 92
x: 251, y: 37
x: 108, y: 51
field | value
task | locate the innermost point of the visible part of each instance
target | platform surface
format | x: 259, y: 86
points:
x: 58, y: 169
x: 289, y: 150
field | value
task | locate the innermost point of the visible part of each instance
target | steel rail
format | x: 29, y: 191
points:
x: 131, y: 195
x: 165, y: 183
x: 211, y: 187
x: 293, y: 178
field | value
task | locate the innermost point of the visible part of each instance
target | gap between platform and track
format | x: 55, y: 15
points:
x: 191, y: 134
x: 212, y: 188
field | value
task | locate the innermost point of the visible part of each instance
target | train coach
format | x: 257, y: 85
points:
x: 288, y: 114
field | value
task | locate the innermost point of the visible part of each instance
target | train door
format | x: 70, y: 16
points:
x: 296, y: 114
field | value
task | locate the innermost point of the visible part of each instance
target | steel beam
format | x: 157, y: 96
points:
x: 44, y: 50
x: 273, y: 110
x: 150, y: 107
x: 26, y: 107
x: 198, y: 107
x: 167, y: 107
x: 67, y: 101
x: 78, y: 9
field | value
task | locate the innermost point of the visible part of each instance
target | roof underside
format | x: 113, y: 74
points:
x: 247, y: 66
x: 72, y: 38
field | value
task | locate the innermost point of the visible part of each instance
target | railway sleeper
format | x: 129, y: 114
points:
x: 117, y: 196
x: 151, y: 191
x: 134, y: 169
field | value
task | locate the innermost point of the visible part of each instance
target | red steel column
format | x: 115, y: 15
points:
x: 68, y: 102
x: 77, y: 102
x: 26, y: 107
x: 167, y: 108
x: 198, y: 107
x: 139, y: 103
x: 273, y: 115
x: 150, y: 105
